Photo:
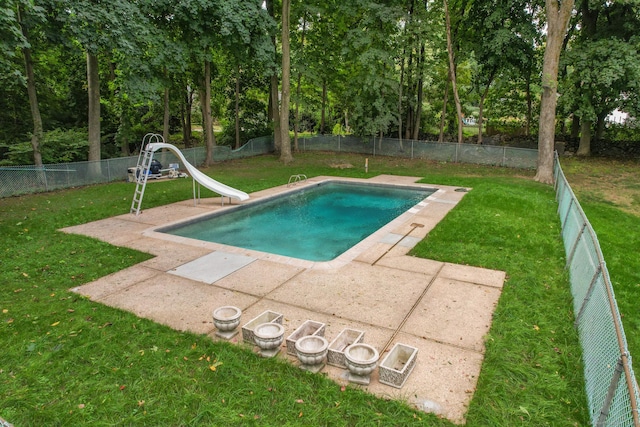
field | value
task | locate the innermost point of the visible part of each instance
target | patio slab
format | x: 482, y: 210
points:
x: 443, y: 309
x: 212, y: 267
x: 179, y: 303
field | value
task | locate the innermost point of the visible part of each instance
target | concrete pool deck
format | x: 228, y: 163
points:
x: 442, y: 309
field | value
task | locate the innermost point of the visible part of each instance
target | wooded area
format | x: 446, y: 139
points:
x: 85, y: 79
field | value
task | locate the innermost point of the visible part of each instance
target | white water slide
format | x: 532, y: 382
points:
x: 199, y: 177
x: 144, y: 163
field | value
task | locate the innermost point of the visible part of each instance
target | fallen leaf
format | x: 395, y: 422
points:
x: 55, y: 324
x: 536, y: 327
x: 193, y: 346
x: 299, y: 401
x: 343, y: 388
x: 122, y: 387
x: 5, y: 311
x: 81, y: 406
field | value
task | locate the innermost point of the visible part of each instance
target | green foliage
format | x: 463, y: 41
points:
x: 506, y: 126
x: 629, y: 131
x: 59, y: 146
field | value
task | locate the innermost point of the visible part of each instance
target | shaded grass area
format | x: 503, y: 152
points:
x: 609, y: 193
x: 69, y: 361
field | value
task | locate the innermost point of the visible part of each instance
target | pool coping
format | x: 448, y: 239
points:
x: 442, y: 194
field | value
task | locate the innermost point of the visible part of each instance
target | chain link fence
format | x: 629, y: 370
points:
x: 491, y: 155
x: 611, y: 385
x: 16, y: 180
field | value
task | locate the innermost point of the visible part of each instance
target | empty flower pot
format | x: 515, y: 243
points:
x: 269, y: 337
x: 361, y: 359
x: 397, y: 365
x: 226, y: 319
x: 335, y: 355
x: 267, y: 316
x: 309, y: 327
x: 311, y: 351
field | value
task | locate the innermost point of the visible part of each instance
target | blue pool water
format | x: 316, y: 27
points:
x: 316, y: 224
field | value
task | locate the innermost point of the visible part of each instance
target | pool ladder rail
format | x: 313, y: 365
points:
x: 294, y: 179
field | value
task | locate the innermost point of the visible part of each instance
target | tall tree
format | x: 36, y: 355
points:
x: 37, y: 134
x: 557, y: 20
x: 285, y: 149
x: 603, y: 65
x: 452, y: 70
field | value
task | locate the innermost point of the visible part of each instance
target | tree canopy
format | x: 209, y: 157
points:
x: 365, y: 66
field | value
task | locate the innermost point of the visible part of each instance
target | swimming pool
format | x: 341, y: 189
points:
x: 316, y: 223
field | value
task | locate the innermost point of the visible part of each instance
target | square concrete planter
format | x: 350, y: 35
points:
x: 309, y: 327
x: 335, y: 355
x: 396, y: 367
x: 266, y: 317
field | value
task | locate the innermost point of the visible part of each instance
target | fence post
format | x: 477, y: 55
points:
x: 575, y: 245
x: 587, y: 296
x: 44, y: 175
x: 604, y: 412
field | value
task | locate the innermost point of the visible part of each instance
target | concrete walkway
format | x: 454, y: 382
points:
x: 444, y: 310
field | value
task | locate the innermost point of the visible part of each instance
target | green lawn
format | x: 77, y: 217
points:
x: 69, y: 361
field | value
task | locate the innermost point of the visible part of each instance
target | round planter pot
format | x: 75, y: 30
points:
x: 361, y: 360
x: 269, y: 337
x: 226, y: 319
x: 311, y: 351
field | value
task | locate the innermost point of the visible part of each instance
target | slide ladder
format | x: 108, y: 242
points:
x: 142, y: 171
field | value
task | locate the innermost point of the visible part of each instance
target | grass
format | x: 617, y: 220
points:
x: 69, y: 361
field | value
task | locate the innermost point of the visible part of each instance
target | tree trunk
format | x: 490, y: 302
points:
x: 452, y: 71
x: 400, y: 97
x: 275, y: 113
x: 575, y: 126
x: 296, y: 119
x: 38, y: 134
x: 285, y: 151
x: 346, y: 121
x: 274, y: 102
x: 207, y: 119
x: 443, y: 117
x: 557, y: 21
x: 529, y: 106
x: 166, y: 117
x: 600, y: 126
x: 584, y: 149
x: 480, y: 113
x: 418, y: 114
x: 237, y: 115
x: 324, y: 106
x: 93, y: 88
x: 186, y: 117
x: 419, y: 88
